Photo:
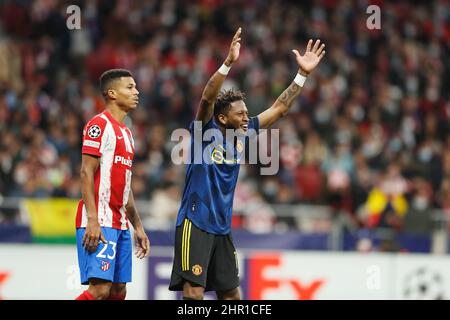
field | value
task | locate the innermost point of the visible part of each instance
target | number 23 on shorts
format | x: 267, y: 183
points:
x: 103, y: 254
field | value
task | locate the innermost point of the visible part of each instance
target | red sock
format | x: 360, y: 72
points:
x: 85, y: 296
x: 116, y: 297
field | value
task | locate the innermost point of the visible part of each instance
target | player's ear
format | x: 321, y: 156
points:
x: 222, y: 119
x: 111, y: 94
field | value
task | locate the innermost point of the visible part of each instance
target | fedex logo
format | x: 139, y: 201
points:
x: 262, y: 276
x: 122, y: 160
x: 259, y: 284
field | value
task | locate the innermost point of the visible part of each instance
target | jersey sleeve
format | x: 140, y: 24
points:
x: 95, y: 138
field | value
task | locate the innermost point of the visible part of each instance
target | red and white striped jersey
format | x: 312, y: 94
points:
x: 112, y: 141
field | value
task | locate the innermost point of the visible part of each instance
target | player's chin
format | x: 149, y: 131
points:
x: 133, y: 105
x: 241, y: 131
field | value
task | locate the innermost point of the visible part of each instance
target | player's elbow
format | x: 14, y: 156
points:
x: 208, y: 99
x: 83, y: 173
x: 130, y: 210
x: 86, y: 173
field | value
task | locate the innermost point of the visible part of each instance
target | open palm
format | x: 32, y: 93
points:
x: 235, y: 46
x: 312, y: 56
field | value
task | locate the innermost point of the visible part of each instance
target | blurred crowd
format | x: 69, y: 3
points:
x: 369, y: 135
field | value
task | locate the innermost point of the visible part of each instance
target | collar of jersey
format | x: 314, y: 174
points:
x: 111, y: 118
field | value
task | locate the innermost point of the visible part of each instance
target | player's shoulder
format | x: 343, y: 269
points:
x: 99, y: 119
x: 203, y: 125
x: 96, y: 126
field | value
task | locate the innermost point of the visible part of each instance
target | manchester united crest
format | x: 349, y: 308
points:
x: 197, y: 270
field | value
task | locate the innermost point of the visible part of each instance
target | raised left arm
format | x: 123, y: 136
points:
x: 306, y: 63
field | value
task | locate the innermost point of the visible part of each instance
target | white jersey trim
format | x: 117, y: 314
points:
x: 105, y: 214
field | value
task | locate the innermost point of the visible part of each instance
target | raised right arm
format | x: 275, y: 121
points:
x: 206, y: 107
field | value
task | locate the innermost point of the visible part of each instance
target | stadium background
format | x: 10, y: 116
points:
x: 362, y: 198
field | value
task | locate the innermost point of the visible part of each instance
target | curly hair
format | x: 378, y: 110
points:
x: 224, y: 100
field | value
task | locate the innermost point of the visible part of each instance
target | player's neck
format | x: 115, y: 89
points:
x: 117, y: 113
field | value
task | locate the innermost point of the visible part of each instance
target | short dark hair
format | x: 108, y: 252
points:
x: 109, y: 76
x: 224, y: 100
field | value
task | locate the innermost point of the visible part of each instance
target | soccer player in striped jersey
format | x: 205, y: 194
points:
x: 107, y: 206
x: 205, y: 256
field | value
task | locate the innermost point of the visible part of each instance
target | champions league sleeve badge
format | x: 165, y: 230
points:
x: 94, y: 131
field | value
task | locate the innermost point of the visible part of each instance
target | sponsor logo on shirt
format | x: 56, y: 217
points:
x: 218, y: 157
x: 122, y: 160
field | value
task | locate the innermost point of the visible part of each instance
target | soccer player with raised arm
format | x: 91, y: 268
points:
x: 205, y: 257
x: 107, y: 206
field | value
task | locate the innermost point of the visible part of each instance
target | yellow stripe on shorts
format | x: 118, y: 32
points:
x: 185, y: 245
x: 188, y: 244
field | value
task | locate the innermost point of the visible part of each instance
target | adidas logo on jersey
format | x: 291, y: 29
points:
x: 122, y: 160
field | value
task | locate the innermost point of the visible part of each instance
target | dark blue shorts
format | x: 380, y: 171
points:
x: 111, y: 261
x: 203, y: 259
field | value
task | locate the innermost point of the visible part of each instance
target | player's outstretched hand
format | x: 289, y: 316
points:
x: 235, y: 46
x: 92, y: 236
x: 312, y: 56
x: 142, y: 243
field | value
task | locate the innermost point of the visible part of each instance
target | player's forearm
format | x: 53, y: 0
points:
x: 214, y: 84
x: 134, y: 218
x: 283, y: 103
x: 285, y: 100
x: 87, y: 192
